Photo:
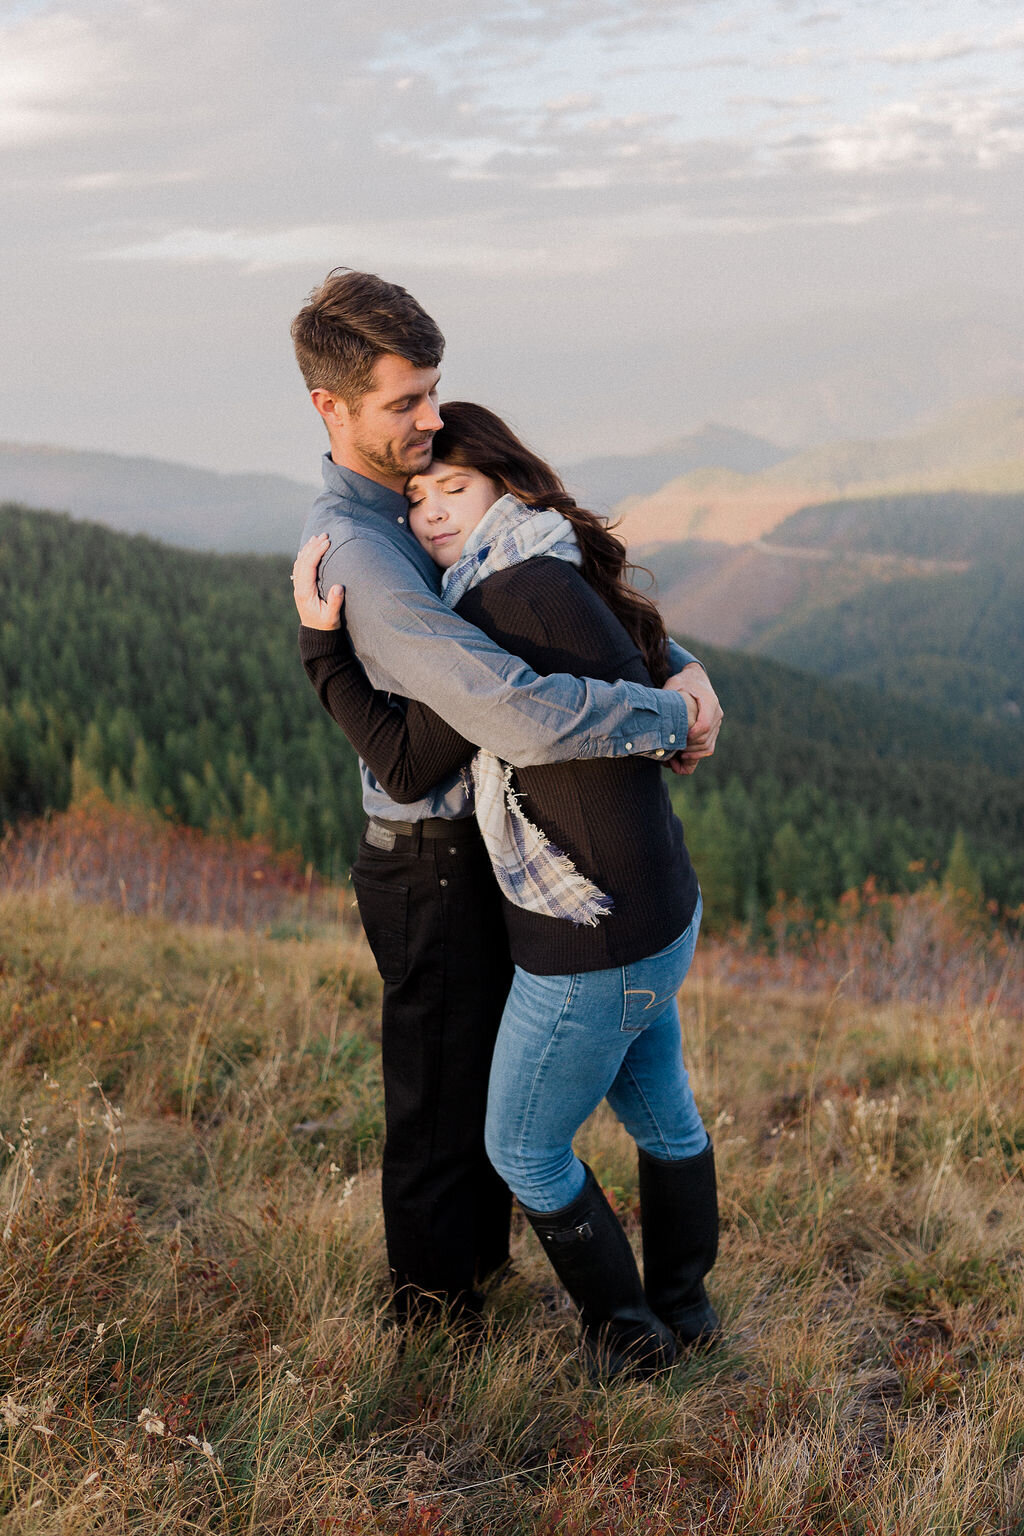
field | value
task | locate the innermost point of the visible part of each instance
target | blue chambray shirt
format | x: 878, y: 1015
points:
x: 412, y: 645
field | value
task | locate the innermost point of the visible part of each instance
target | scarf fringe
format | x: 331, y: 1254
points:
x: 590, y: 902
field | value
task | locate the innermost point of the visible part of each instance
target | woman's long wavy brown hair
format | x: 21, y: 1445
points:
x: 474, y: 438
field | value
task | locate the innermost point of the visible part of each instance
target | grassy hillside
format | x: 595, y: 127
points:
x: 194, y: 1329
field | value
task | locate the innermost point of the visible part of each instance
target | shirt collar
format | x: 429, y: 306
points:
x: 389, y: 504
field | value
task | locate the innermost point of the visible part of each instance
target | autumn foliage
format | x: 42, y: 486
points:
x: 146, y: 864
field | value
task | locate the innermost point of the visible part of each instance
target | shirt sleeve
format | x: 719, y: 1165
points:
x: 412, y: 644
x: 407, y: 749
x: 679, y: 657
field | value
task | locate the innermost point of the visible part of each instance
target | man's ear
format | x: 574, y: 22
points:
x: 331, y: 407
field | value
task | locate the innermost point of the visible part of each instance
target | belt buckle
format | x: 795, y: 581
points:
x: 379, y: 837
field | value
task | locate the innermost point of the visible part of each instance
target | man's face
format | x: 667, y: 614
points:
x: 388, y: 436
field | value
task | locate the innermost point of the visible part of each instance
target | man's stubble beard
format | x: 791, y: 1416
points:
x: 389, y: 462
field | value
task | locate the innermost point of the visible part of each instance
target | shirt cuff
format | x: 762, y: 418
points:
x: 648, y: 730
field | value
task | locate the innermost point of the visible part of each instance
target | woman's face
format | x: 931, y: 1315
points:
x: 445, y: 505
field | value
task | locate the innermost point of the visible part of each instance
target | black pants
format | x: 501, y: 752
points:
x: 432, y: 915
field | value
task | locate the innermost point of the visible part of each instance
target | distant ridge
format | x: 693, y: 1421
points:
x: 194, y: 508
x: 604, y: 481
x: 921, y: 594
x: 976, y: 447
x: 943, y: 452
x: 718, y: 484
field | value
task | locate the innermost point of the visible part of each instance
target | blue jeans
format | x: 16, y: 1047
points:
x: 567, y: 1042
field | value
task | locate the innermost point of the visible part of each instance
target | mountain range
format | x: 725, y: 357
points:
x: 170, y: 678
x: 898, y: 562
x: 194, y: 508
x: 605, y: 481
x: 718, y: 483
x: 978, y: 447
x: 893, y: 561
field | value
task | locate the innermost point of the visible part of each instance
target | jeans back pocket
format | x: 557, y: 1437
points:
x: 384, y: 912
x: 650, y: 986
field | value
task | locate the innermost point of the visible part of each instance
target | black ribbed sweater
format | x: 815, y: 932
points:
x: 612, y: 816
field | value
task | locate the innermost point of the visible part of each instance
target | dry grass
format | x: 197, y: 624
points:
x: 194, y: 1330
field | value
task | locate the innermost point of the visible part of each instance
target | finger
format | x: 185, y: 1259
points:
x: 305, y: 568
x: 314, y: 546
x: 313, y: 549
x: 710, y: 708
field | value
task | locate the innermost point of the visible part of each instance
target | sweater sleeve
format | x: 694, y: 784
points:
x: 408, y: 750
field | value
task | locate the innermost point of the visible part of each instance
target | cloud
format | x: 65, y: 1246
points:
x: 52, y: 68
x: 820, y: 19
x: 934, y: 50
x: 931, y: 135
x: 124, y: 181
x: 178, y: 173
x: 577, y: 101
x: 427, y: 246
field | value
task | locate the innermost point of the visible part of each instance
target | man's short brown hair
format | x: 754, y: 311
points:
x: 352, y: 319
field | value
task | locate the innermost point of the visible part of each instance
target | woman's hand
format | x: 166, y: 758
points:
x: 316, y: 612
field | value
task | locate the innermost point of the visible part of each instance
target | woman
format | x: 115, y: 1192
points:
x: 601, y: 902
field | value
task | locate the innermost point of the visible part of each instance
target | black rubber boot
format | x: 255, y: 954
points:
x: 591, y: 1256
x: 679, y: 1212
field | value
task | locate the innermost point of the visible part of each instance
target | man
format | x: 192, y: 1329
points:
x: 370, y: 357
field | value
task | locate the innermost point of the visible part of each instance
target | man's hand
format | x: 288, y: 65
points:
x: 314, y: 611
x: 704, y: 714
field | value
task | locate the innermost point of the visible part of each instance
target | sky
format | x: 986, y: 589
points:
x: 801, y: 220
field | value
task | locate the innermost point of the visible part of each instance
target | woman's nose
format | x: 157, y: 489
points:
x: 436, y: 513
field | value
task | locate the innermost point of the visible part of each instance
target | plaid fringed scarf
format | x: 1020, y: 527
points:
x: 530, y: 870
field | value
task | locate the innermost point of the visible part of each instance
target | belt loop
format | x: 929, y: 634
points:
x: 417, y: 837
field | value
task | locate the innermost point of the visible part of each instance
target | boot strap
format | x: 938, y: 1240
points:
x: 581, y: 1234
